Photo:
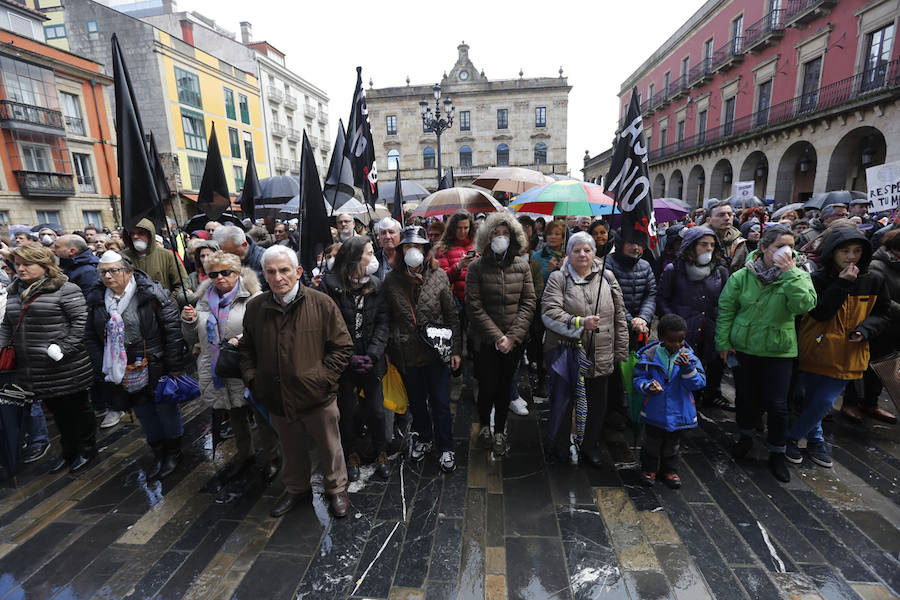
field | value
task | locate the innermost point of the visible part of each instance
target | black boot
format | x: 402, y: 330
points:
x: 742, y: 447
x: 778, y: 466
x: 173, y: 457
x: 159, y: 455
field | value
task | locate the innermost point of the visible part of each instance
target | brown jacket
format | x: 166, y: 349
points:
x: 292, y: 357
x: 566, y: 298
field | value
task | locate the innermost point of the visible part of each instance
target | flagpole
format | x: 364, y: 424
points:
x: 172, y: 240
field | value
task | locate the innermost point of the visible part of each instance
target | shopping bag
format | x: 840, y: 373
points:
x: 888, y: 371
x: 633, y: 398
x: 394, y: 391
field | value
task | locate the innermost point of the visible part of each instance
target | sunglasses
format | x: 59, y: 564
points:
x: 223, y: 273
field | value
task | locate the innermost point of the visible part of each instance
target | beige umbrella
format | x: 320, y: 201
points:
x: 450, y: 200
x: 514, y: 180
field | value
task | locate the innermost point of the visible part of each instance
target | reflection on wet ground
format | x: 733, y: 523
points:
x: 514, y: 528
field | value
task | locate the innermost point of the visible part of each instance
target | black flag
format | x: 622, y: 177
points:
x: 447, y: 180
x: 360, y: 148
x: 251, y: 189
x: 137, y: 183
x: 315, y: 233
x: 628, y: 180
x: 163, y: 191
x: 339, y: 181
x: 213, y: 198
x: 397, y: 211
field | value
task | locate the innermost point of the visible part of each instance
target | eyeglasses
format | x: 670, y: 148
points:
x: 110, y: 271
x: 223, y: 273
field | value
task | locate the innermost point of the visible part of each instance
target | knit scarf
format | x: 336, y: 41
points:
x: 219, y: 307
x: 115, y: 359
x: 765, y: 275
x: 697, y: 272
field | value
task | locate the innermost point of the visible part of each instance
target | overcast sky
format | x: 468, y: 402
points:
x: 598, y: 44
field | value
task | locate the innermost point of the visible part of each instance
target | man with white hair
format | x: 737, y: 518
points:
x: 294, y: 348
x: 387, y: 235
x: 233, y: 240
x: 345, y: 227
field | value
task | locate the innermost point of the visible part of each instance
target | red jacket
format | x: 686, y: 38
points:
x: 448, y: 260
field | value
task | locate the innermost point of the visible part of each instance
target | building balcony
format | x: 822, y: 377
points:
x: 764, y: 32
x: 700, y: 73
x: 679, y: 87
x: 16, y: 115
x: 883, y: 80
x: 295, y: 135
x: 323, y: 117
x: 646, y: 108
x: 295, y: 166
x: 801, y: 12
x: 39, y: 184
x: 313, y: 141
x: 282, y: 163
x: 728, y: 56
x: 279, y: 130
x: 290, y: 101
x: 75, y: 126
x: 658, y: 100
x: 275, y: 94
x: 309, y: 110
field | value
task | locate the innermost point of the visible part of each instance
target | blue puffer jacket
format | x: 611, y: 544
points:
x: 253, y: 259
x: 673, y: 408
x: 81, y: 270
x: 638, y: 285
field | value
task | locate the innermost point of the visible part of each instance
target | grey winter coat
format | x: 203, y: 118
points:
x: 638, y: 286
x: 567, y: 297
x: 433, y: 302
x: 56, y: 316
x: 231, y: 395
x: 500, y: 296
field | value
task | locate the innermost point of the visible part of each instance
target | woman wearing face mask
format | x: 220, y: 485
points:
x: 690, y: 287
x: 418, y: 293
x: 500, y: 305
x: 757, y: 312
x: 352, y: 285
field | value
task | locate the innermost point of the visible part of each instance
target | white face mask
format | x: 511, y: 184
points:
x: 413, y: 257
x: 372, y: 267
x: 704, y: 258
x: 499, y: 244
x: 140, y: 245
x: 329, y: 264
x: 46, y: 239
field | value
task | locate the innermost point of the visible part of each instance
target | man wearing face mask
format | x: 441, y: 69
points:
x: 157, y: 262
x: 77, y: 261
x: 47, y: 235
x: 689, y: 287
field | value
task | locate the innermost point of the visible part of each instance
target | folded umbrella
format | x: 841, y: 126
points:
x: 176, y: 389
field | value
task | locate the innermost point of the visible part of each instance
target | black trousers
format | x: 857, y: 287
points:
x: 659, y: 452
x: 74, y: 417
x: 494, y: 371
x: 764, y: 382
x: 348, y: 398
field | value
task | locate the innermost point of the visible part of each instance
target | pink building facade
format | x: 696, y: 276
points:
x: 799, y: 96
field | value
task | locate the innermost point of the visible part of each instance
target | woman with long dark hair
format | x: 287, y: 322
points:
x: 356, y: 290
x: 455, y: 251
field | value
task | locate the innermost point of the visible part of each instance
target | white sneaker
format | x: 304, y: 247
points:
x: 419, y: 450
x: 519, y: 406
x: 111, y: 419
x: 447, y: 461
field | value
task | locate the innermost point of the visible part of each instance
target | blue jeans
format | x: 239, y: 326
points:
x: 36, y: 425
x: 431, y: 384
x: 820, y: 392
x: 159, y: 421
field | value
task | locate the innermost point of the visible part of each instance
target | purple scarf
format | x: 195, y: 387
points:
x: 219, y: 307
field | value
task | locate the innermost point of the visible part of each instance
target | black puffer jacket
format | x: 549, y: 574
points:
x: 56, y: 316
x: 160, y: 328
x: 638, y: 286
x: 374, y: 328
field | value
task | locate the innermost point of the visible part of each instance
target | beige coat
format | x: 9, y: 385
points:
x: 566, y: 297
x: 231, y: 395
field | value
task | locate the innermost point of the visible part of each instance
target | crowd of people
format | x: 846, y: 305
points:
x: 796, y: 309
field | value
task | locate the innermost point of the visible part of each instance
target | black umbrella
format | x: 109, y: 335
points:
x: 274, y: 194
x: 199, y: 222
x: 387, y: 190
x: 820, y: 201
x: 14, y: 402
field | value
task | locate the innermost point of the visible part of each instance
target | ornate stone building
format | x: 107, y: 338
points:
x: 516, y: 122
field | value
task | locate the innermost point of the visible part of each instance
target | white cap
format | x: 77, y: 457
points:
x: 110, y: 256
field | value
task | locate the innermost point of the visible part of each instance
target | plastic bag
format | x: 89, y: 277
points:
x: 394, y: 391
x: 634, y: 399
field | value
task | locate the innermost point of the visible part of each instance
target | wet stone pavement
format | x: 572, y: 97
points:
x: 516, y: 528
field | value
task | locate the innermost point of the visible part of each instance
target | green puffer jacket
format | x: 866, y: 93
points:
x: 759, y: 320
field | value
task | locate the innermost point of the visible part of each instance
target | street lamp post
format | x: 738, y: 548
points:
x: 435, y: 122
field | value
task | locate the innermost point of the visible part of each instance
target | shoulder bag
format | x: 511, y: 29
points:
x: 437, y: 337
x: 8, y: 352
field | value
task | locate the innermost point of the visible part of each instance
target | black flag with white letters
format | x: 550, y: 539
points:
x: 360, y: 148
x: 628, y: 180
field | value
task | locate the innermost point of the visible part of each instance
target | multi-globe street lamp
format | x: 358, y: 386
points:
x: 436, y: 122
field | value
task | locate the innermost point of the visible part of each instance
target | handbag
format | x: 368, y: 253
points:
x: 888, y: 371
x: 8, y: 352
x: 228, y: 366
x: 437, y: 337
x: 137, y: 374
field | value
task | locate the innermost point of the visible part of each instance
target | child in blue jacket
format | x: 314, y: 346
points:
x: 667, y: 372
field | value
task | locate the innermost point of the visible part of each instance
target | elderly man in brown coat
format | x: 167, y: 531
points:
x: 294, y: 349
